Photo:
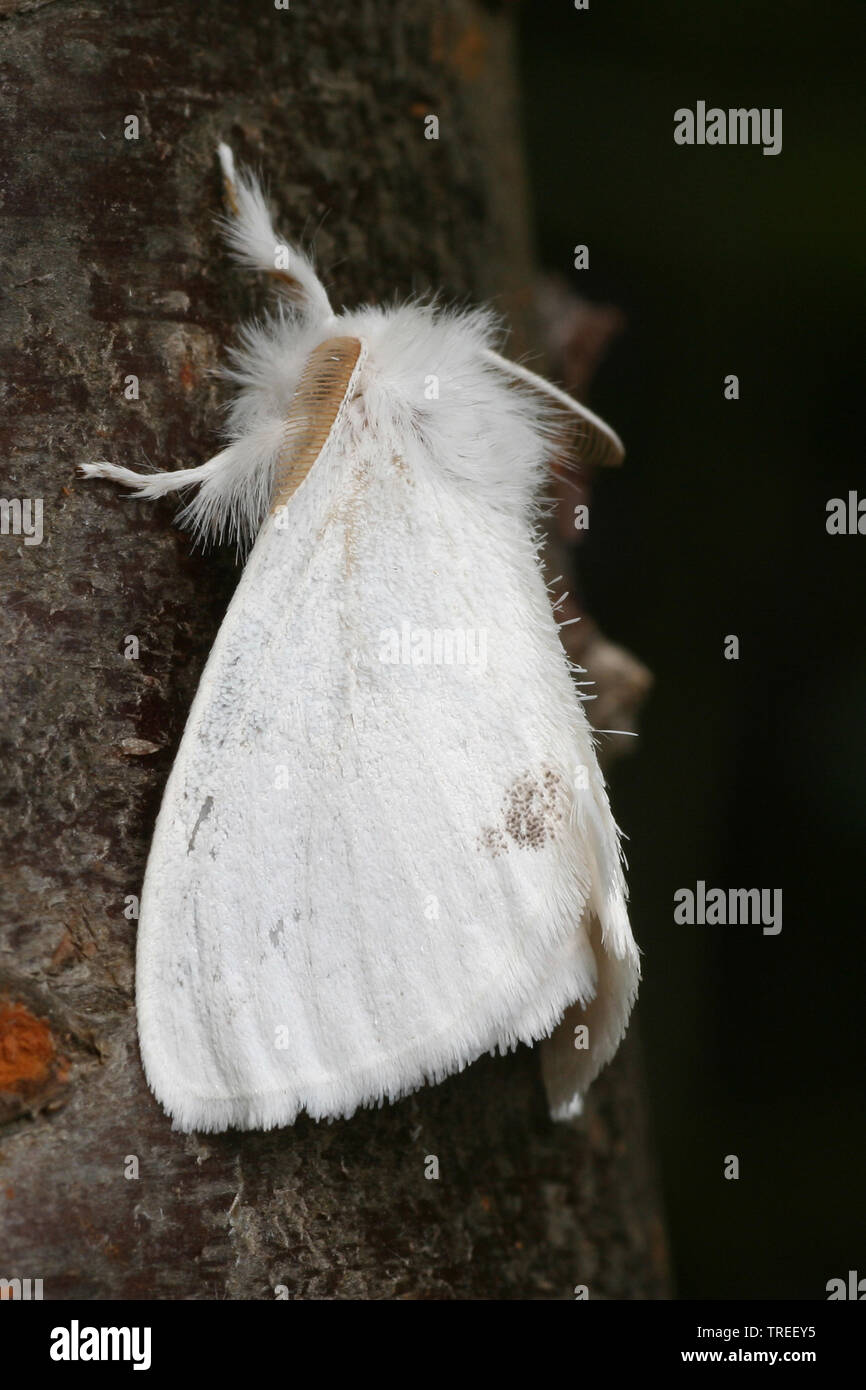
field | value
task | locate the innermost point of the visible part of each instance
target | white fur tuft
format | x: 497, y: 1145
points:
x: 251, y: 236
x: 492, y: 437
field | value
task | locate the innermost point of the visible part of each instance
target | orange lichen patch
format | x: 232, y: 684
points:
x: 464, y: 49
x: 188, y: 376
x: 27, y: 1051
x: 470, y: 52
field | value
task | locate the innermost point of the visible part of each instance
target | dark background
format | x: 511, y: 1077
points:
x: 748, y: 773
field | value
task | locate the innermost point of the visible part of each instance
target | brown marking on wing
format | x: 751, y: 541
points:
x: 531, y: 809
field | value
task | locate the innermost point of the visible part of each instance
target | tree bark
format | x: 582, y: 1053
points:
x: 112, y: 267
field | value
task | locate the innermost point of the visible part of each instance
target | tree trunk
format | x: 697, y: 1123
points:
x: 113, y: 268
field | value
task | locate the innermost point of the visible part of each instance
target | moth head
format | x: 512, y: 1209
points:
x: 434, y: 376
x: 427, y: 381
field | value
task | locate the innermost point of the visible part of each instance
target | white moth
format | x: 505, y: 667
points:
x: 385, y: 846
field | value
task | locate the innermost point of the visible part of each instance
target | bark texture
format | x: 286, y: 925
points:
x: 111, y: 266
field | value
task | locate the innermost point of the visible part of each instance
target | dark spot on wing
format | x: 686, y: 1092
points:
x: 206, y: 808
x: 531, y: 809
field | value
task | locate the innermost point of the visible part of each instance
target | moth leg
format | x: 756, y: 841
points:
x: 154, y: 484
x: 251, y: 236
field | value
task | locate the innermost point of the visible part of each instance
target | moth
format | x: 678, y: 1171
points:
x: 385, y: 846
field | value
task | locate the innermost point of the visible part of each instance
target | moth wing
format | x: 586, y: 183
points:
x: 375, y: 848
x: 588, y: 1035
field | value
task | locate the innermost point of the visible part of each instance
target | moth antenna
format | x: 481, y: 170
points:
x: 250, y: 234
x: 598, y: 443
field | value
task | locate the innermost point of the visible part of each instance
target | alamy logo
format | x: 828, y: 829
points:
x: 731, y: 907
x: 846, y: 517
x: 20, y: 1288
x: 736, y: 126
x: 22, y: 517
x: 854, y: 1289
x: 424, y: 646
x: 76, y: 1343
